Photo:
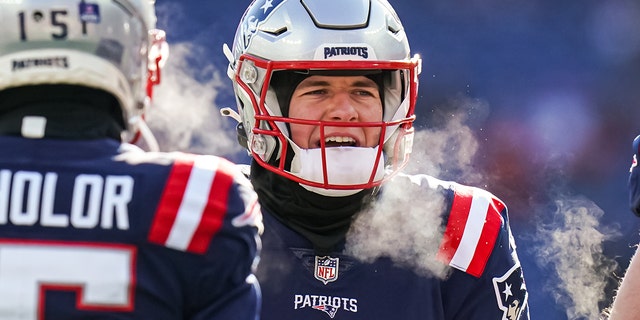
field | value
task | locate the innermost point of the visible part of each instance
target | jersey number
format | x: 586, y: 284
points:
x: 38, y: 17
x: 101, y: 276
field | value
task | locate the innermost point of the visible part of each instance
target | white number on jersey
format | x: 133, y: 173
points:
x: 102, y: 276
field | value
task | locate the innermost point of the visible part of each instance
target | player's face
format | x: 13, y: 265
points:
x: 336, y: 98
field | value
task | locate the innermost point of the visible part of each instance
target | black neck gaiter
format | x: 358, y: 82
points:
x: 322, y: 220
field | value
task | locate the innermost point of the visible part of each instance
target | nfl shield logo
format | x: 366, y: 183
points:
x: 326, y: 269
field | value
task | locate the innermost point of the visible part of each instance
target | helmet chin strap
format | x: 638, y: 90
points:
x: 344, y: 166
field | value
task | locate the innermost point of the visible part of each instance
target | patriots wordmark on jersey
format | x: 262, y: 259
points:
x: 483, y: 281
x: 89, y: 229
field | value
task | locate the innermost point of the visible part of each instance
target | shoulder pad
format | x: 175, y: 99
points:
x: 472, y: 229
x: 187, y: 217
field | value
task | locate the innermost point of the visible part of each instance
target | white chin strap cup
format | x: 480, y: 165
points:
x: 345, y: 166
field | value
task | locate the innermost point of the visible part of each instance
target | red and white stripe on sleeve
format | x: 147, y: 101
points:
x: 472, y: 229
x: 193, y: 204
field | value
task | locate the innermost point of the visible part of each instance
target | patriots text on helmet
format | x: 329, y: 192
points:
x: 55, y: 62
x: 28, y: 198
x: 346, y: 51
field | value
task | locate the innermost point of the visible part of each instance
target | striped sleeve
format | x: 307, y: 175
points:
x: 472, y: 230
x: 193, y: 204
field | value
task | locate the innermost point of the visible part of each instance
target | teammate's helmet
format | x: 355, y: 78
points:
x: 110, y: 45
x: 284, y: 40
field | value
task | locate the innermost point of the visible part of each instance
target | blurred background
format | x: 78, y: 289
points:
x: 536, y: 101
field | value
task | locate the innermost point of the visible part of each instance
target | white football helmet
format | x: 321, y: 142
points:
x: 111, y: 45
x: 326, y: 37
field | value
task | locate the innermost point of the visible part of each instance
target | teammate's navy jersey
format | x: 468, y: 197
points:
x: 481, y: 280
x: 89, y: 230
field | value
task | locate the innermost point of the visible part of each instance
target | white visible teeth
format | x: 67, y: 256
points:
x: 340, y: 139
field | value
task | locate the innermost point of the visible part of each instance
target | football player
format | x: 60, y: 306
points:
x: 326, y: 93
x: 91, y: 226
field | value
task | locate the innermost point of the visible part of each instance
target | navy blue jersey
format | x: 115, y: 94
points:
x: 482, y: 277
x: 98, y: 230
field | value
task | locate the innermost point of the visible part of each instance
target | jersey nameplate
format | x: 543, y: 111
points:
x: 28, y: 198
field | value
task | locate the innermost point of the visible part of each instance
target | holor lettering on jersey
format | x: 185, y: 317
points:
x: 27, y: 198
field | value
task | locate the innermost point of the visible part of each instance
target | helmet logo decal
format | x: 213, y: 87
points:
x: 267, y: 5
x: 254, y: 16
x: 89, y: 12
